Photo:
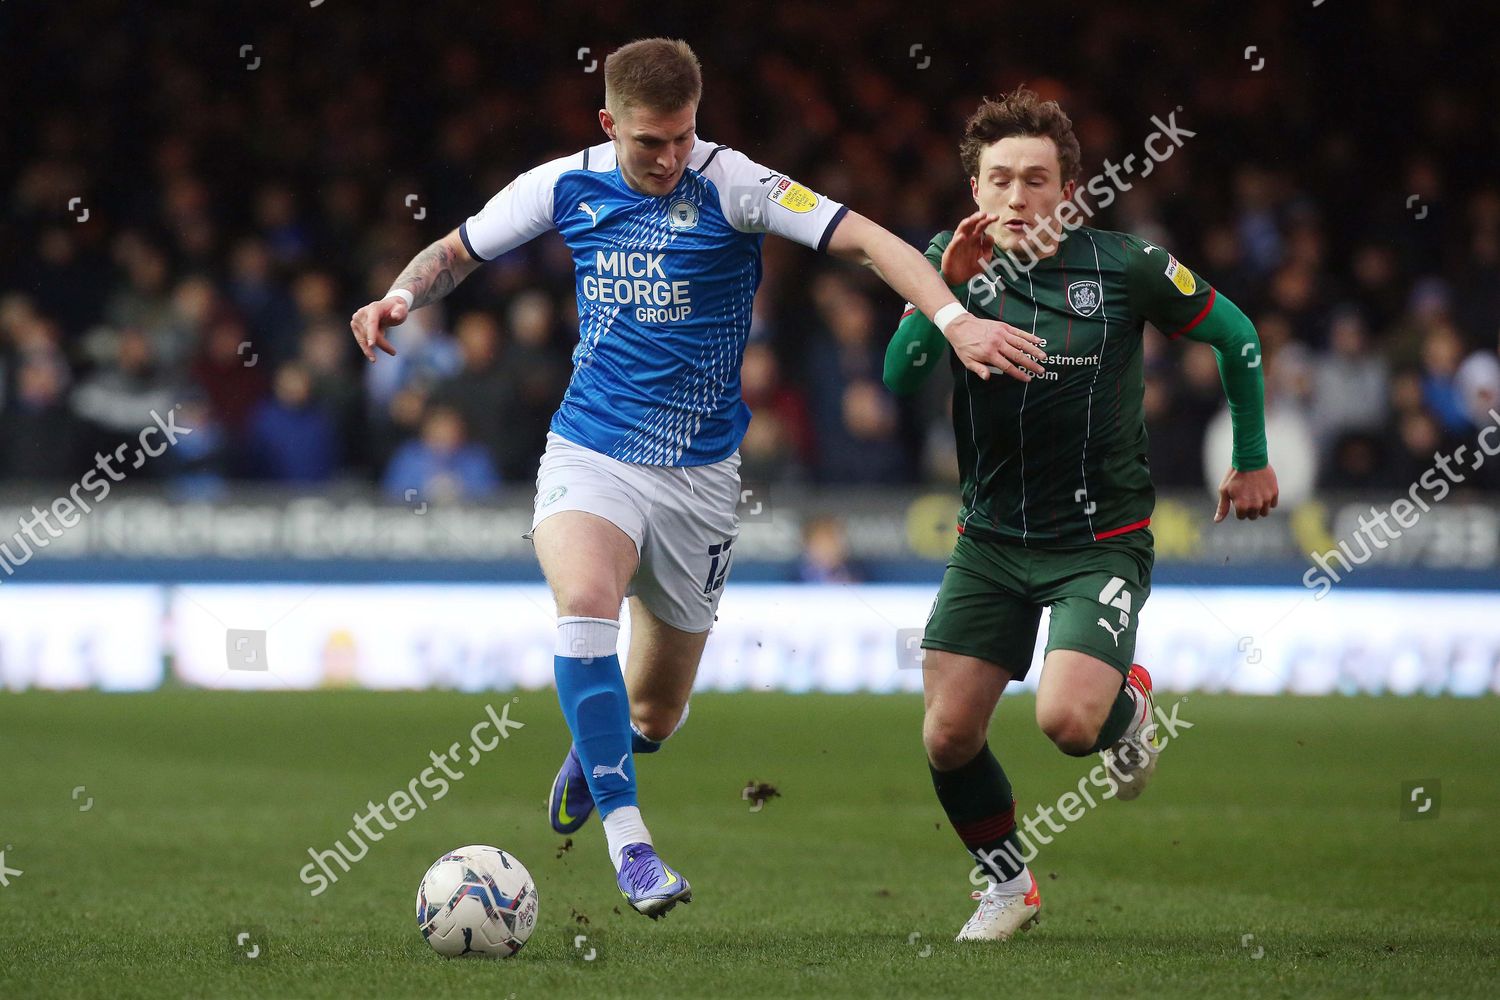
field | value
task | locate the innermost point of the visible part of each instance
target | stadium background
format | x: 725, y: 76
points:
x: 195, y: 208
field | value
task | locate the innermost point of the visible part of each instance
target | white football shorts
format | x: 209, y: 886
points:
x: 683, y: 520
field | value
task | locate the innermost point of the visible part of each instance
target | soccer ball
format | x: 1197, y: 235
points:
x: 476, y: 901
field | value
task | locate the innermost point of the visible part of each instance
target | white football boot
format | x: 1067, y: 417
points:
x: 1001, y: 914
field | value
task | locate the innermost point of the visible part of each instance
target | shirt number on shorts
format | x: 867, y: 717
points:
x: 718, y: 565
x: 1115, y: 595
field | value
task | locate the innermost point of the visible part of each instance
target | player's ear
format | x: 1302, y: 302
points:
x: 974, y: 189
x: 1069, y: 189
x: 607, y: 122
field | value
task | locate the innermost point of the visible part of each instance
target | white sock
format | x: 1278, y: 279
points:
x: 1142, y: 711
x: 1020, y: 884
x: 622, y: 828
x: 586, y: 638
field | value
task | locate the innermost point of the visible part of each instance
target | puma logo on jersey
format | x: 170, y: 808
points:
x: 1113, y: 634
x: 600, y: 770
x: 1148, y: 248
x: 593, y: 212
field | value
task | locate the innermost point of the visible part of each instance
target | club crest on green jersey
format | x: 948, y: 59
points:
x: 1084, y: 297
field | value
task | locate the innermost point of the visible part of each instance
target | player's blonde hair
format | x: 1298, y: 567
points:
x: 659, y: 74
x: 1022, y: 113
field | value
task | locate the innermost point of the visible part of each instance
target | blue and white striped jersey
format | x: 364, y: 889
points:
x: 665, y: 286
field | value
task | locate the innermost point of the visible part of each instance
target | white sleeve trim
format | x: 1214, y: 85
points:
x: 521, y: 212
x: 757, y: 199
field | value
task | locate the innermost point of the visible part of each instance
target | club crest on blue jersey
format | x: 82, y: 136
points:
x: 665, y: 291
x: 682, y: 214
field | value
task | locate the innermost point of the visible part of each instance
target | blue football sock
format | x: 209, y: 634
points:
x: 641, y: 743
x: 591, y: 690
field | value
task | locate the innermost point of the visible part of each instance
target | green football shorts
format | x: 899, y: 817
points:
x: 991, y: 600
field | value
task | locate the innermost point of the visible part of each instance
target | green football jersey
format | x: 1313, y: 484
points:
x: 1061, y: 460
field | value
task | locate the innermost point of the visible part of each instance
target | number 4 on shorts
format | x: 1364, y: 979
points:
x: 1115, y: 595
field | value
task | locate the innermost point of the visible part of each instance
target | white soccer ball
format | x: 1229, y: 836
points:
x: 476, y: 901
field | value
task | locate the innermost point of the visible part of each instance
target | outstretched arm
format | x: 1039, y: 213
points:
x: 435, y: 272
x: 958, y: 257
x: 1182, y: 304
x: 432, y: 274
x: 1250, y: 484
x: 913, y: 353
x: 982, y: 345
x: 520, y: 212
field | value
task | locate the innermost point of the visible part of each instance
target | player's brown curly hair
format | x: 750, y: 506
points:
x: 1020, y: 112
x: 661, y: 74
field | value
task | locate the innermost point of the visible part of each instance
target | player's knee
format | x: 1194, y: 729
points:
x: 949, y: 744
x: 588, y: 599
x: 655, y: 719
x: 1069, y: 729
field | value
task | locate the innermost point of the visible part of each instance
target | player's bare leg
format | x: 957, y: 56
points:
x: 959, y: 697
x: 1085, y: 707
x: 588, y: 562
x: 659, y: 675
x: 1074, y: 698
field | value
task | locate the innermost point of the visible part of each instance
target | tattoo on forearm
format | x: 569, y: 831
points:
x: 430, y: 275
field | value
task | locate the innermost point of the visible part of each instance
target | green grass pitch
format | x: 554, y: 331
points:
x: 1268, y: 859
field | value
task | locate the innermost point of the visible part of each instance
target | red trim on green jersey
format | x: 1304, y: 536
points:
x: 1213, y: 293
x: 1112, y: 532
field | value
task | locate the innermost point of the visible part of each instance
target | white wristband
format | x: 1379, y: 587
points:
x: 402, y: 293
x: 948, y: 314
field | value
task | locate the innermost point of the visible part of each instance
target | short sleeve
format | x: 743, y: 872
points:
x: 757, y: 199
x: 1163, y: 289
x: 938, y: 247
x: 522, y: 211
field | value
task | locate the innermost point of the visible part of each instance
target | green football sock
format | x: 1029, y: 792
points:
x: 1121, y: 714
x: 978, y: 800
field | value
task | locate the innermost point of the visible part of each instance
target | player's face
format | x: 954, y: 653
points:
x: 652, y: 146
x: 1020, y: 180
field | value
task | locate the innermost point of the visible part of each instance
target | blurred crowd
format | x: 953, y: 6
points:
x: 185, y: 229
